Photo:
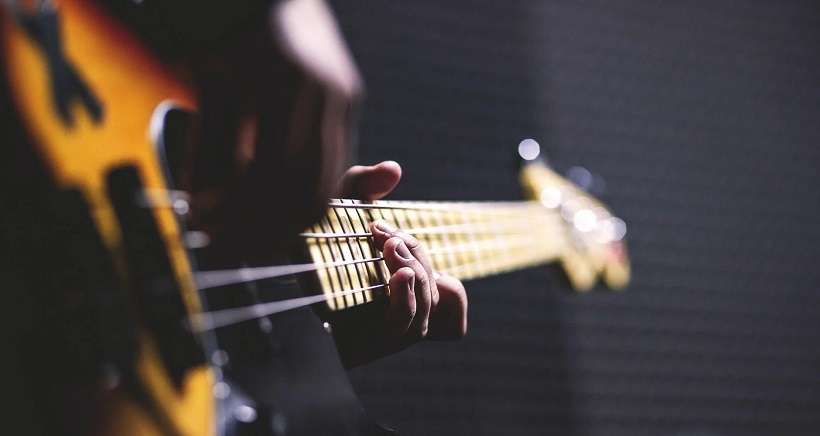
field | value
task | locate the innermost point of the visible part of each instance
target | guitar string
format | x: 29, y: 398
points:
x: 357, y: 244
x: 204, y: 321
x: 505, y: 227
x: 218, y: 278
x: 211, y: 320
x: 169, y: 198
x: 432, y: 230
x: 224, y: 277
x: 224, y: 317
x: 347, y: 247
x: 166, y: 198
x: 470, y: 206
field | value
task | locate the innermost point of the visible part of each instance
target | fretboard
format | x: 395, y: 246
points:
x: 464, y: 239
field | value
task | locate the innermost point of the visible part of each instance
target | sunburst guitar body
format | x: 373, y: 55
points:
x: 124, y: 298
x: 86, y: 101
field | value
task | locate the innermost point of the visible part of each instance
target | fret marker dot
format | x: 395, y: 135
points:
x: 529, y: 149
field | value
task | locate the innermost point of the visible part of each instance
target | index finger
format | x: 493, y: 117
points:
x: 382, y: 231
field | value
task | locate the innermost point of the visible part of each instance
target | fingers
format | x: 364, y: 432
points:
x: 421, y: 300
x: 371, y: 182
x: 402, y: 307
x: 383, y: 231
x: 449, y: 318
x: 397, y: 256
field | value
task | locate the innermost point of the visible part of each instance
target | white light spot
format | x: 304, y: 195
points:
x: 606, y: 232
x: 220, y: 358
x: 265, y: 325
x: 569, y: 207
x: 222, y: 390
x: 245, y: 413
x: 181, y: 206
x: 551, y: 197
x: 195, y: 239
x: 529, y: 149
x: 618, y: 228
x: 585, y: 220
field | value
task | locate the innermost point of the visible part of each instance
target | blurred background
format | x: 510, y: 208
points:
x: 703, y: 118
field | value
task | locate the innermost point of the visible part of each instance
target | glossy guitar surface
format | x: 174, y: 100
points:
x: 128, y: 312
x: 91, y: 151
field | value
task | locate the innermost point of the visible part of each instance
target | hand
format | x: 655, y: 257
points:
x: 423, y: 303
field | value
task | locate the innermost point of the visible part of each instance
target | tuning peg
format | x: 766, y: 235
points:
x: 529, y: 150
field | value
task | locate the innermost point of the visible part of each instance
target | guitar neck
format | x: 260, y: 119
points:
x: 464, y: 239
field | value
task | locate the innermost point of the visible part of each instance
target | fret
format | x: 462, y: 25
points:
x: 490, y: 229
x: 351, y: 245
x: 510, y: 226
x: 365, y: 249
x: 519, y: 255
x: 458, y: 238
x: 493, y: 231
x: 486, y: 247
x: 523, y: 255
x: 488, y: 253
x: 472, y: 236
x: 399, y: 217
x: 347, y: 247
x: 333, y: 282
x: 483, y: 206
x: 332, y: 273
x: 375, y: 268
x: 449, y: 219
x: 446, y: 260
x: 486, y: 241
x: 528, y: 253
x: 315, y: 252
x: 466, y: 240
x: 386, y: 215
x: 412, y: 221
x: 341, y: 272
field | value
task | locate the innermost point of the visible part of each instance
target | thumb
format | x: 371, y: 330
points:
x: 371, y: 182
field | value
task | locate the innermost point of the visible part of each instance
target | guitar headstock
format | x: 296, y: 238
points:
x: 594, y: 238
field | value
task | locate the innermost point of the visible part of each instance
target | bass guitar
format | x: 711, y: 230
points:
x: 120, y: 324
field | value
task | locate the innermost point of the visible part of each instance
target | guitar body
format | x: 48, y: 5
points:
x: 102, y: 292
x: 94, y: 114
x: 84, y: 154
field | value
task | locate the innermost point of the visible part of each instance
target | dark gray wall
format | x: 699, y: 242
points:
x: 704, y: 119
